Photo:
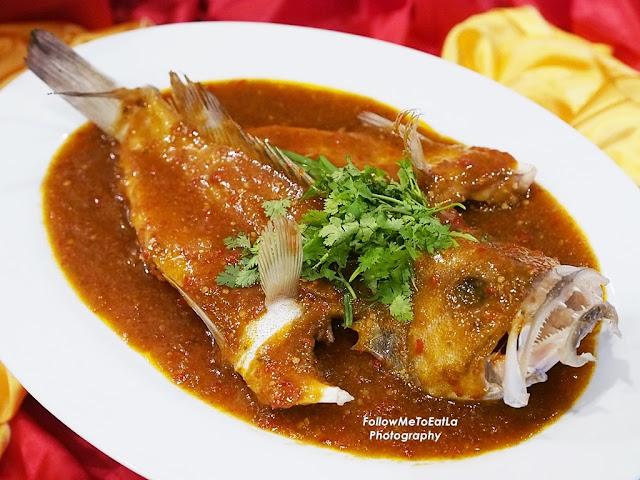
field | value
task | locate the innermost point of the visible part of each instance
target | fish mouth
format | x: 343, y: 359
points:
x: 563, y: 307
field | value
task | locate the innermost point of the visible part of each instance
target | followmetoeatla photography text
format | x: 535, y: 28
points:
x: 405, y: 429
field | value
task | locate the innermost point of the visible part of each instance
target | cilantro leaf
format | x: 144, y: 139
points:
x: 229, y: 276
x: 239, y: 241
x: 247, y: 277
x: 276, y: 208
x: 402, y: 308
x: 371, y: 230
x: 245, y: 272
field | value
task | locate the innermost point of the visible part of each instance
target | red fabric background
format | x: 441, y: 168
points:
x: 422, y: 24
x: 41, y: 447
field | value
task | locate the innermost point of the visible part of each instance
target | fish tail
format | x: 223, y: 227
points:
x: 79, y: 83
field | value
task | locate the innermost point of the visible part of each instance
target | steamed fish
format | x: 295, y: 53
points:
x: 183, y: 161
x: 456, y: 173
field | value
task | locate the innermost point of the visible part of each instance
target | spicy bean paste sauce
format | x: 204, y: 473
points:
x: 86, y: 217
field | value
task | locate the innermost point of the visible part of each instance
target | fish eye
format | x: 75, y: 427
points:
x: 470, y: 291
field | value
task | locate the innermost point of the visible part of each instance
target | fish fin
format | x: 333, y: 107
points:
x: 202, y: 110
x: 285, y: 164
x: 374, y: 120
x: 280, y: 259
x: 217, y: 335
x: 406, y: 126
x: 279, y: 315
x: 75, y: 79
x: 330, y: 394
x: 524, y: 175
x: 271, y: 329
x: 280, y: 265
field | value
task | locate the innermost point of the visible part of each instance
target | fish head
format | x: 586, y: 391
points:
x: 490, y: 320
x: 563, y: 307
x: 465, y: 302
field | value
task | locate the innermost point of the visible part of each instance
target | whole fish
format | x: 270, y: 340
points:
x: 489, y: 319
x: 183, y: 163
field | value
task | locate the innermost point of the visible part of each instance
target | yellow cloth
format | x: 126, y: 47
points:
x: 577, y: 80
x: 11, y: 395
x: 13, y: 48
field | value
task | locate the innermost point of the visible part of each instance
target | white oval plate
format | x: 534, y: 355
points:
x: 110, y: 395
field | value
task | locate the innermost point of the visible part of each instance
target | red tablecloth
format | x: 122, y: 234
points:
x: 422, y: 24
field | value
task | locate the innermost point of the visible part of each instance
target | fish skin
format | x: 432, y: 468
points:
x: 456, y: 328
x: 377, y: 149
x: 467, y: 301
x: 457, y: 343
x: 454, y: 173
x: 451, y: 173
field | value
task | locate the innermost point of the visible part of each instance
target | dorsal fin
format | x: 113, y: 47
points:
x: 406, y: 126
x: 201, y: 109
x: 286, y: 165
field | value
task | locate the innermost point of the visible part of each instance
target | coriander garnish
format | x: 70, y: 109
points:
x: 276, y: 208
x: 245, y: 272
x: 370, y: 231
